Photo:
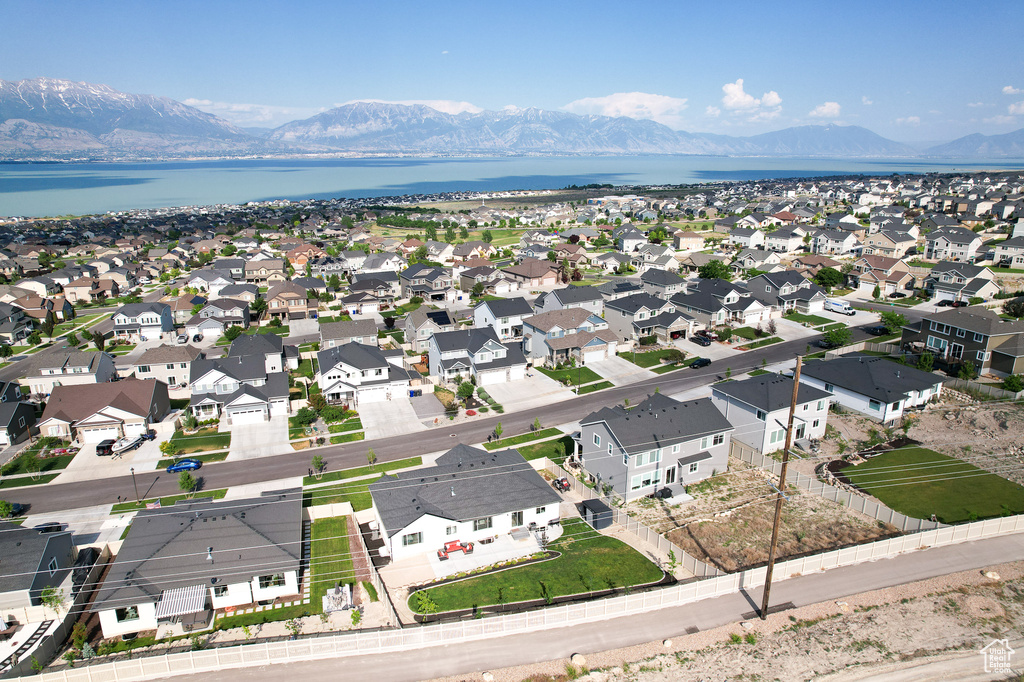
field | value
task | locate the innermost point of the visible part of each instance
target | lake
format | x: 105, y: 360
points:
x: 84, y: 188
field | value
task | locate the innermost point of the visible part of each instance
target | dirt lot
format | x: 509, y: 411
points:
x: 988, y: 436
x: 730, y: 520
x: 935, y: 627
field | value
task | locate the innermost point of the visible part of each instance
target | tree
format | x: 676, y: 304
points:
x: 53, y: 598
x: 576, y: 275
x: 449, y: 234
x: 6, y: 351
x: 552, y: 256
x: 465, y: 391
x: 229, y: 250
x: 371, y: 458
x: 432, y: 232
x: 318, y: 465
x: 305, y: 416
x: 98, y: 340
x: 6, y: 509
x: 478, y: 289
x: 714, y: 269
x: 463, y: 232
x: 827, y: 278
x: 487, y: 235
x: 233, y: 332
x: 258, y: 307
x: 169, y: 448
x: 498, y: 430
x: 389, y: 322
x: 925, y: 362
x: 196, y: 308
x: 34, y: 339
x: 1014, y: 383
x: 536, y: 423
x: 421, y: 253
x: 893, y: 321
x: 334, y: 281
x: 187, y: 482
x: 876, y: 292
x: 317, y: 401
x: 1014, y: 307
x: 72, y: 339
x: 838, y: 337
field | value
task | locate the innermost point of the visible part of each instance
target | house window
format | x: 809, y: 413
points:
x: 961, y: 333
x: 540, y: 510
x: 597, y: 440
x: 694, y: 467
x: 143, y: 369
x: 814, y: 425
x: 777, y: 436
x: 874, y: 405
x: 52, y: 567
x: 126, y: 614
x: 761, y: 415
x: 675, y: 449
x: 821, y: 405
x: 272, y: 580
x: 718, y: 439
x: 54, y: 430
x: 170, y: 365
x: 609, y: 448
x: 21, y: 422
x: 412, y: 539
x: 983, y: 355
x: 980, y: 338
x: 640, y: 459
x: 936, y: 343
x: 830, y: 388
x: 220, y: 590
x: 625, y: 459
x: 451, y: 530
x: 482, y: 524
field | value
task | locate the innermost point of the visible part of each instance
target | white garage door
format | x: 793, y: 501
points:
x: 253, y: 416
x: 136, y: 429
x: 377, y: 394
x: 95, y: 435
x: 488, y: 378
x: 593, y: 355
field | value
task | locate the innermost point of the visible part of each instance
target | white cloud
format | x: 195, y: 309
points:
x: 643, y: 105
x: 735, y: 99
x: 909, y: 121
x: 1010, y: 90
x: 713, y: 112
x: 826, y: 110
x: 446, y: 106
x: 865, y: 101
x: 1016, y: 109
x: 444, y: 51
x: 975, y: 105
x: 1000, y: 120
x: 253, y: 115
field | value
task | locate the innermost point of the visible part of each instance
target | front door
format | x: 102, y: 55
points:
x: 517, y: 519
x: 956, y: 350
x: 799, y: 433
x: 670, y: 475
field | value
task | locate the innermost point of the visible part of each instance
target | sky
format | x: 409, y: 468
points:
x: 910, y: 71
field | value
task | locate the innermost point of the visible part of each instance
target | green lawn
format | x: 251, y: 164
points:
x: 347, y: 437
x: 919, y: 482
x: 405, y: 309
x: 356, y: 492
x: 203, y: 440
x: 662, y: 369
x: 574, y: 376
x: 748, y: 333
x: 524, y: 438
x: 813, y: 320
x: 26, y: 480
x: 549, y: 449
x: 648, y: 358
x: 357, y: 472
x: 602, y: 385
x: 759, y: 372
x: 281, y: 331
x: 167, y: 501
x: 17, y: 465
x: 206, y: 459
x: 588, y: 562
x: 305, y: 368
x: 763, y: 342
x: 355, y: 424
x: 330, y: 561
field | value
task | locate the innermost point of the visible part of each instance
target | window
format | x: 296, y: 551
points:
x: 412, y: 539
x: 777, y: 436
x: 143, y: 369
x: 830, y: 388
x: 640, y: 461
x: 961, y: 333
x: 52, y: 567
x: 597, y: 440
x: 482, y: 524
x: 694, y: 467
x: 272, y: 580
x: 609, y: 448
x: 183, y: 365
x: 220, y: 590
x: 980, y: 338
x: 983, y: 355
x: 761, y: 415
x: 655, y: 456
x: 675, y: 449
x: 517, y: 519
x: 625, y: 458
x: 718, y: 439
x: 54, y: 430
x: 451, y: 530
x: 644, y: 480
x: 21, y: 422
x: 821, y: 405
x: 814, y: 425
x: 874, y: 405
x: 936, y: 343
x: 705, y: 442
x: 895, y: 405
x: 540, y: 510
x: 126, y: 614
x: 940, y: 328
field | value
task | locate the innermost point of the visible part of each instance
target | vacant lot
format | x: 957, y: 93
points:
x: 729, y: 523
x: 919, y: 482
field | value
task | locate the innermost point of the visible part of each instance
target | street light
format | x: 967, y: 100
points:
x: 134, y: 483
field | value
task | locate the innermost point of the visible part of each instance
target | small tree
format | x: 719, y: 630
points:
x: 318, y: 466
x: 187, y: 482
x: 357, y: 615
x: 30, y: 464
x: 838, y: 337
x: 714, y: 269
x: 478, y: 289
x: 53, y: 598
x: 190, y: 422
x: 305, y: 416
x: 169, y: 448
x: 1013, y: 383
x: 827, y: 278
x: 498, y: 430
x: 371, y: 458
x: 72, y: 339
x: 876, y: 292
x: 389, y: 322
x: 893, y: 321
x: 967, y: 371
x: 317, y: 401
x: 1014, y: 307
x: 925, y: 362
x: 465, y: 391
x: 6, y: 351
x: 6, y: 509
x: 536, y: 424
x: 233, y: 332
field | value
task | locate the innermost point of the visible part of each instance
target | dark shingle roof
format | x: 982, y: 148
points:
x: 508, y: 307
x: 877, y: 378
x: 769, y: 392
x: 660, y: 421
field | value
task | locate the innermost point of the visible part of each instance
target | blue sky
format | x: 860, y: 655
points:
x: 912, y: 71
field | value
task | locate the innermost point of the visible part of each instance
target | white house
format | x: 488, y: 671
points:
x: 355, y: 374
x: 477, y: 353
x: 875, y: 387
x: 504, y: 316
x: 143, y: 320
x: 43, y: 371
x: 237, y: 388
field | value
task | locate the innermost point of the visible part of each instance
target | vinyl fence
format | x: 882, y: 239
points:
x: 859, y: 503
x: 891, y: 348
x: 443, y: 634
x: 972, y: 386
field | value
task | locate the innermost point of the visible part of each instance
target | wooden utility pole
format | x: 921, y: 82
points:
x: 781, y: 493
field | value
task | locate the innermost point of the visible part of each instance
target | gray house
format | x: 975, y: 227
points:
x: 659, y: 443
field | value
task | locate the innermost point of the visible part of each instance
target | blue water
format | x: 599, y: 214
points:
x: 84, y: 188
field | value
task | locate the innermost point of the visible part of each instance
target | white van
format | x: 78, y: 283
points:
x: 837, y: 306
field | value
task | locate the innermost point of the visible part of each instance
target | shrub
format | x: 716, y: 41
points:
x: 275, y: 323
x: 233, y: 332
x: 1014, y: 383
x: 305, y: 416
x: 648, y: 340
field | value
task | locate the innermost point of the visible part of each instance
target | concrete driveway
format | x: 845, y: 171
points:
x: 620, y: 371
x: 88, y: 466
x: 534, y: 391
x: 389, y: 418
x: 262, y: 439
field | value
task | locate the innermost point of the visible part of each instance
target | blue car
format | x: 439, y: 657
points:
x: 184, y: 465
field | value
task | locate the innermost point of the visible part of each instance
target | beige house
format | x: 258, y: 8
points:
x: 289, y: 301
x: 94, y: 412
x: 169, y: 364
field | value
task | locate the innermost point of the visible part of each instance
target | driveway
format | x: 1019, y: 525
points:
x: 389, y: 418
x: 88, y: 525
x: 427, y: 406
x: 534, y: 391
x: 620, y: 371
x: 88, y: 466
x: 716, y: 351
x: 262, y: 439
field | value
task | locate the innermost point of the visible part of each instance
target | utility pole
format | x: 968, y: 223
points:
x: 781, y: 494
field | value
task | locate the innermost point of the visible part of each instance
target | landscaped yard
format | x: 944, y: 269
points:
x: 357, y: 472
x: 813, y: 320
x: 920, y: 482
x: 356, y: 492
x: 549, y: 449
x: 355, y: 424
x: 26, y: 480
x: 524, y: 438
x: 201, y: 441
x: 348, y: 437
x: 167, y: 501
x: 649, y: 358
x: 589, y: 562
x: 601, y: 385
x: 763, y: 342
x: 574, y: 376
x: 405, y: 309
x: 748, y: 333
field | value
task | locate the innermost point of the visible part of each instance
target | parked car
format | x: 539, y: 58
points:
x: 959, y: 304
x: 149, y: 435
x: 105, y: 447
x: 182, y: 338
x: 701, y: 340
x: 700, y: 362
x: 51, y: 527
x: 946, y: 303
x: 17, y: 509
x: 188, y: 464
x: 877, y: 330
x: 897, y: 294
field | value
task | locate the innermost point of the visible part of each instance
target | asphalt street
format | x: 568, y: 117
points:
x: 54, y: 497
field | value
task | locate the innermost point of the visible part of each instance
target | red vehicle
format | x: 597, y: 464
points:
x: 454, y: 546
x: 562, y: 484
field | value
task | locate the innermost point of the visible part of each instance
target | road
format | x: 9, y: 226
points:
x: 55, y: 497
x: 547, y: 645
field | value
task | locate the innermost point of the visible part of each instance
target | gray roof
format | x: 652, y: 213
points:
x: 22, y: 550
x: 769, y: 392
x: 167, y: 548
x: 240, y: 367
x: 346, y: 329
x: 35, y: 364
x: 631, y: 304
x: 660, y: 421
x: 576, y: 294
x: 136, y: 309
x: 977, y: 319
x: 508, y: 307
x: 661, y: 277
x: 877, y: 378
x: 165, y: 353
x: 256, y: 344
x: 465, y: 339
x: 356, y: 355
x: 466, y: 484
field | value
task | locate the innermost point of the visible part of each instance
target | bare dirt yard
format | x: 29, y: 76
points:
x: 729, y: 523
x: 931, y: 629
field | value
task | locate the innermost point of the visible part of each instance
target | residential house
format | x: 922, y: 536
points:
x: 746, y: 238
x: 440, y: 252
x: 428, y: 282
x: 302, y: 254
x: 758, y: 408
x: 687, y: 241
x: 421, y: 324
x: 610, y: 261
x: 787, y: 290
x: 474, y: 249
x: 238, y: 389
x: 348, y: 331
x: 1010, y: 253
x: 143, y: 321
x: 469, y: 495
x: 890, y: 243
x: 693, y: 262
x: 33, y: 562
x: 735, y: 299
x: 834, y: 242
x: 532, y: 272
x: 662, y: 283
x: 90, y: 413
x: 178, y: 564
x: 182, y: 306
x: 289, y: 301
x: 952, y: 243
x: 357, y: 374
x: 660, y: 443
x: 785, y: 241
x: 872, y: 386
x: 232, y: 267
x: 90, y: 290
x: 505, y: 316
x: 970, y: 334
x: 325, y: 267
x: 558, y: 336
x: 217, y: 316
x: 888, y: 274
x: 44, y: 371
x: 170, y: 364
x: 475, y: 353
x: 16, y: 421
x: 587, y: 297
x: 240, y: 292
x: 628, y: 239
x: 811, y: 264
x: 265, y: 272
x: 633, y: 317
x: 276, y: 356
x: 949, y: 281
x: 755, y: 259
x: 40, y: 286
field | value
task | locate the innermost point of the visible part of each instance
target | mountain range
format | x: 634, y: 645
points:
x: 47, y: 118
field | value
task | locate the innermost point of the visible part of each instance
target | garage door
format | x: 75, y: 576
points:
x: 98, y: 434
x: 487, y: 378
x: 593, y: 355
x: 377, y: 394
x: 248, y: 416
